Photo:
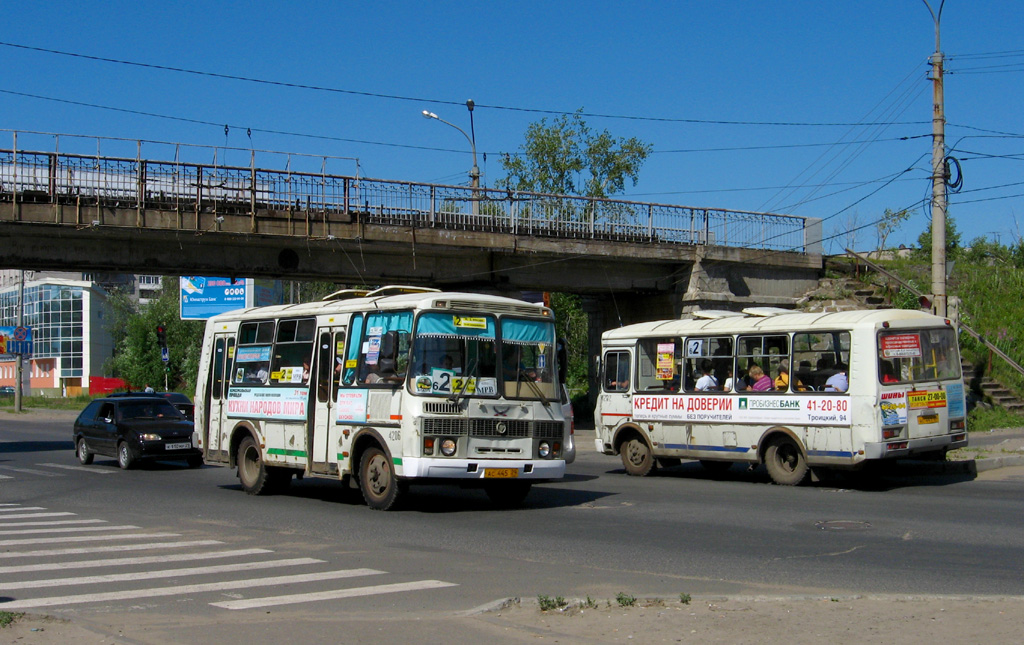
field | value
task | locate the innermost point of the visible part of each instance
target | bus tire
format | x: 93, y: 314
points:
x: 508, y: 494
x: 377, y: 480
x: 251, y: 472
x: 715, y: 467
x: 785, y: 462
x: 636, y: 456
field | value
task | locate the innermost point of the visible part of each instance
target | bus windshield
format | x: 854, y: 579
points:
x: 453, y: 354
x: 916, y: 355
x: 528, y: 359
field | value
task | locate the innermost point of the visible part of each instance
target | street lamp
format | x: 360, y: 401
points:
x: 474, y: 174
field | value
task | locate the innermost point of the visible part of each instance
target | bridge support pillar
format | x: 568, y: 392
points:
x: 734, y: 285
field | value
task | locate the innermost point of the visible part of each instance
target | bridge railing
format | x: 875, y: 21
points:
x: 29, y: 176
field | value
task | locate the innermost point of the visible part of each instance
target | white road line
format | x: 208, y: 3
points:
x: 52, y: 523
x: 21, y: 508
x: 22, y: 516
x: 9, y: 504
x: 153, y: 575
x: 5, y: 477
x: 95, y: 471
x: 86, y: 538
x: 31, y: 471
x: 69, y: 529
x: 185, y: 589
x: 118, y: 562
x: 332, y: 595
x: 44, y: 553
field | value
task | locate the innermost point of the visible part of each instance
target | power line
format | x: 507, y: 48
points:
x: 398, y: 97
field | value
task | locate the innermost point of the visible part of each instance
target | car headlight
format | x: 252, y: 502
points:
x: 149, y: 436
x: 544, y: 449
x: 448, y: 447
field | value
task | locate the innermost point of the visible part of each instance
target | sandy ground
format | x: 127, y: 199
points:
x: 790, y: 620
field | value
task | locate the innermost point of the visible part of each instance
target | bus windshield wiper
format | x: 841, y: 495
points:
x: 456, y: 394
x: 533, y: 386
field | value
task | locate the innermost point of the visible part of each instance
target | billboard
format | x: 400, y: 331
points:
x: 15, y: 340
x: 202, y: 297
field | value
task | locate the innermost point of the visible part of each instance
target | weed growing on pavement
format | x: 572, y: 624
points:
x: 8, y: 618
x: 589, y: 603
x: 547, y: 603
x: 625, y: 600
x: 684, y: 598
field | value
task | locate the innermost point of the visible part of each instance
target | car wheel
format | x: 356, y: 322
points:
x: 125, y: 458
x: 251, y: 471
x: 377, y: 480
x: 636, y: 457
x: 785, y: 463
x: 84, y: 454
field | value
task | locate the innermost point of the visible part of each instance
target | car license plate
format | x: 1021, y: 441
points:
x: 177, y: 446
x: 928, y: 418
x: 501, y: 473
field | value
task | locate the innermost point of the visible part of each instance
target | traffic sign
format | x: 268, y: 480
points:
x: 165, y: 355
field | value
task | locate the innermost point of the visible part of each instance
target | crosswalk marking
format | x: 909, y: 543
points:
x: 31, y: 471
x: 153, y: 575
x: 53, y: 523
x: 333, y: 594
x: 107, y: 549
x: 87, y: 538
x: 5, y: 477
x: 68, y: 529
x: 118, y: 562
x: 21, y: 516
x: 95, y: 471
x: 20, y: 508
x: 185, y: 589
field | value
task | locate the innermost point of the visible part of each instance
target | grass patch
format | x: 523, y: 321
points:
x: 8, y: 618
x: 983, y: 420
x: 47, y: 403
x: 684, y: 598
x: 625, y: 600
x: 547, y: 603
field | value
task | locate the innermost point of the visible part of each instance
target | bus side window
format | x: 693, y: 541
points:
x: 819, y: 356
x: 616, y: 372
x: 324, y: 369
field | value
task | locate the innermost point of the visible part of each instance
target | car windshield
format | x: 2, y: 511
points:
x: 155, y: 409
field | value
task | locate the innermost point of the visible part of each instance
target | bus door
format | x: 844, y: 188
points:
x: 330, y: 359
x: 614, y: 404
x: 214, y: 431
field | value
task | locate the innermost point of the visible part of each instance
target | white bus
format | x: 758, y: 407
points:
x: 382, y: 389
x: 855, y: 386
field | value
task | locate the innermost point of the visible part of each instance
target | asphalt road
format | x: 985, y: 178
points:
x: 597, y: 533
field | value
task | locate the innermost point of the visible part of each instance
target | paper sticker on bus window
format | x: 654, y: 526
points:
x: 231, y: 351
x: 277, y: 376
x: 901, y: 346
x: 666, y: 363
x: 487, y: 386
x: 351, y: 363
x: 693, y: 347
x: 375, y: 331
x: 239, y: 375
x: 339, y: 348
x: 469, y: 323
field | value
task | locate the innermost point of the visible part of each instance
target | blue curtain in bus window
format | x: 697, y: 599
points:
x: 379, y: 324
x: 451, y: 326
x: 352, y: 355
x: 529, y: 332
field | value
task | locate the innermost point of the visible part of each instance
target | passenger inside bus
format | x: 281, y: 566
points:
x: 838, y: 381
x: 782, y: 380
x: 887, y: 372
x: 760, y: 382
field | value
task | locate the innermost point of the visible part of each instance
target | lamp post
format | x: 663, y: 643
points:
x: 474, y: 173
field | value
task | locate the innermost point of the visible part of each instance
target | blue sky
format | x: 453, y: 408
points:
x: 684, y: 73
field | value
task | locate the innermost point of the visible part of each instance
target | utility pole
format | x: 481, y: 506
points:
x: 19, y: 368
x: 938, y: 174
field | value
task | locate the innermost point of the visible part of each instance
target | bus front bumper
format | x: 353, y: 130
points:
x: 909, y: 448
x: 532, y: 469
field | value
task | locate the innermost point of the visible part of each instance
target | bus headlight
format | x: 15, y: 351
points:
x: 448, y: 447
x: 544, y: 450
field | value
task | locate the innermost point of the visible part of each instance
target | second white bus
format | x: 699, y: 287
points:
x: 793, y: 391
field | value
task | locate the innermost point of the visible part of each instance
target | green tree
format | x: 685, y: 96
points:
x: 890, y: 222
x: 571, y: 326
x: 568, y: 158
x: 924, y: 241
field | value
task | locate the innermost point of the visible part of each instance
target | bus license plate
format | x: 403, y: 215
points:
x: 177, y: 446
x: 928, y: 418
x: 501, y: 473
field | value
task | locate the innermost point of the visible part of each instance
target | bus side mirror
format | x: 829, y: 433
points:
x: 563, y: 360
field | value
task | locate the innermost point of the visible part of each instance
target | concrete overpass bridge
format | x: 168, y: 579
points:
x: 76, y: 212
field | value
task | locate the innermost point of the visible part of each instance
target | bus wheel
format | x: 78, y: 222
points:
x: 636, y: 457
x: 377, y: 480
x: 715, y: 467
x: 785, y: 463
x: 508, y: 495
x: 251, y: 472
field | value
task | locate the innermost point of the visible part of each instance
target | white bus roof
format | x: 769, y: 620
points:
x: 761, y: 320
x: 411, y: 299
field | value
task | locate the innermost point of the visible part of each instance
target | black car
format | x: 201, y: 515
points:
x: 133, y: 428
x: 178, y: 400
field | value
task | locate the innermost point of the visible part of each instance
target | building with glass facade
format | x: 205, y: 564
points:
x: 70, y: 341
